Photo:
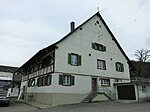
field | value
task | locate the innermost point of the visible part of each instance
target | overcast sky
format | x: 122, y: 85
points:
x: 26, y: 26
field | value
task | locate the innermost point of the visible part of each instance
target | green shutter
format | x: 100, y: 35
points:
x: 37, y: 82
x: 69, y: 58
x: 79, y: 60
x: 104, y: 48
x: 50, y: 79
x: 122, y: 68
x: 93, y: 45
x: 40, y: 81
x: 116, y: 66
x: 29, y: 82
x: 72, y: 80
x: 60, y: 79
x: 45, y: 80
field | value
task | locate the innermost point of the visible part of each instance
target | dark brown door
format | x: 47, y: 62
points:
x: 94, y: 84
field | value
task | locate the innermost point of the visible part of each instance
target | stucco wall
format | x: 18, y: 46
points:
x: 80, y: 42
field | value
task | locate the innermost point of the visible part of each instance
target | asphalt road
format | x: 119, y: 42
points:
x: 110, y: 106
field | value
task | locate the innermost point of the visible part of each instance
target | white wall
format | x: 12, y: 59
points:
x: 80, y: 42
x: 82, y: 85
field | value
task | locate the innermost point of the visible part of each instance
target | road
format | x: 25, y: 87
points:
x: 110, y: 106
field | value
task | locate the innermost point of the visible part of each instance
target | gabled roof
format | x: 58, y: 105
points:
x: 54, y: 45
x: 8, y: 69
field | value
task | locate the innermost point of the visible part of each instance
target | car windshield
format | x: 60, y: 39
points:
x: 4, y: 84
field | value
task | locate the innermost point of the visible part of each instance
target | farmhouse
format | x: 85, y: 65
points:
x: 11, y: 72
x: 83, y: 66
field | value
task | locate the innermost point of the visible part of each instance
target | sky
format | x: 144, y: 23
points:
x: 26, y: 26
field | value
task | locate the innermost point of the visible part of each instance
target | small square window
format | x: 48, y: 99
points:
x: 101, y: 64
x: 144, y: 89
x: 105, y: 82
x: 119, y: 67
x: 74, y: 59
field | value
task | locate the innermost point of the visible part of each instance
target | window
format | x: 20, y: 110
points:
x: 31, y: 82
x: 143, y: 89
x: 66, y: 80
x: 101, y: 64
x: 74, y: 59
x: 39, y: 81
x: 105, y: 82
x: 48, y: 80
x: 119, y: 67
x: 44, y: 81
x: 99, y: 47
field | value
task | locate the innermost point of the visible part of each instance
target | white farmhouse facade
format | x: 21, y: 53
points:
x: 82, y: 66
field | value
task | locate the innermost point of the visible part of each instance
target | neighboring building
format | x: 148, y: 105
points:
x: 82, y: 66
x: 8, y: 71
x: 141, y: 80
x: 142, y: 69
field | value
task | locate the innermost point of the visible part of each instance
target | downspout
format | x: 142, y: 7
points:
x: 138, y: 93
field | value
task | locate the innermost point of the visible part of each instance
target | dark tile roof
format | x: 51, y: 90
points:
x: 142, y: 69
x: 8, y: 69
x: 16, y: 75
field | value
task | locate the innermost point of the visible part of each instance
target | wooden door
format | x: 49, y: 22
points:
x: 94, y: 84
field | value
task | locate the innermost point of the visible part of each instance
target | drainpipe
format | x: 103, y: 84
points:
x: 138, y: 93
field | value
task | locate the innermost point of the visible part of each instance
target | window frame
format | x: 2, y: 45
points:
x: 119, y: 67
x: 66, y: 80
x: 99, y: 61
x: 77, y: 58
x: 99, y: 47
x: 105, y: 82
x: 71, y: 79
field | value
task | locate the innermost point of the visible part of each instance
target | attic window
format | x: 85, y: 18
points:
x: 99, y: 47
x: 119, y: 67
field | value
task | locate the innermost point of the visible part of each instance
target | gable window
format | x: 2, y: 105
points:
x: 99, y: 47
x: 101, y: 64
x: 66, y: 80
x: 105, y: 82
x: 119, y: 67
x: 74, y: 59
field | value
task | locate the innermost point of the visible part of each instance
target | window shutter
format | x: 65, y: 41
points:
x: 60, y: 79
x: 38, y: 82
x: 72, y: 80
x: 79, y: 60
x: 46, y: 80
x: 122, y: 68
x: 50, y: 79
x: 116, y: 66
x: 29, y: 83
x: 104, y: 48
x: 93, y: 45
x: 69, y: 58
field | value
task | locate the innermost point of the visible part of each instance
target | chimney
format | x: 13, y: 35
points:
x: 72, y: 26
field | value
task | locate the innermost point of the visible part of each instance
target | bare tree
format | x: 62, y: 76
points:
x: 143, y: 55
